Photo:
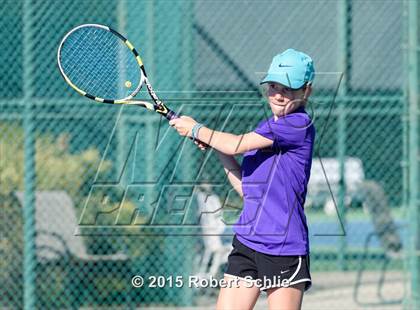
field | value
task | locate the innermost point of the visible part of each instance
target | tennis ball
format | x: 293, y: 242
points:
x: 127, y: 84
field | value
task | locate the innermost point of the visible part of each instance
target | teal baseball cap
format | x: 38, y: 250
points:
x: 291, y: 68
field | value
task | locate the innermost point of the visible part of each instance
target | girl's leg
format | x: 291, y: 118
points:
x: 286, y: 298
x: 239, y: 295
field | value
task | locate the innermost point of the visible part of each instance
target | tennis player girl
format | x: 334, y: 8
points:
x: 270, y: 247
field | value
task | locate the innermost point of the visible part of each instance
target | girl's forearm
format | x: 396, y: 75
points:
x: 226, y: 143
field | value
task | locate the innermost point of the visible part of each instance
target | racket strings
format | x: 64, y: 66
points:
x: 99, y: 63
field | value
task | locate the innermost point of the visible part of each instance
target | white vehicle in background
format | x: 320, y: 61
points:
x: 323, y: 191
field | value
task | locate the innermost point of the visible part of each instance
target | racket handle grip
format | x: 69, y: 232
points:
x: 171, y: 115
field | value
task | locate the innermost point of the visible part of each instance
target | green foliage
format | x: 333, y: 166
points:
x: 56, y: 168
x: 11, y: 252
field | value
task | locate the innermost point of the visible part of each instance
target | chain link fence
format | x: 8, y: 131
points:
x: 92, y: 195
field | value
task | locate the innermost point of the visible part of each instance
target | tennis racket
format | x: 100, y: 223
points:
x: 102, y: 65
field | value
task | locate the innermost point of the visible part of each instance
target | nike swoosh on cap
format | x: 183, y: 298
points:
x: 281, y: 65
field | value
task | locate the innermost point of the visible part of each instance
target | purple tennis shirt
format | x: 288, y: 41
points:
x: 274, y: 184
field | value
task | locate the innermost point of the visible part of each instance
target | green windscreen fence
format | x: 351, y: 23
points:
x: 93, y: 195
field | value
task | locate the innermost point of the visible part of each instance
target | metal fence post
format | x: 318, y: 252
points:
x: 29, y: 262
x: 344, y: 64
x: 413, y: 80
x: 187, y: 75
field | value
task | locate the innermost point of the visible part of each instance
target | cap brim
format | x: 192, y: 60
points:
x: 283, y: 80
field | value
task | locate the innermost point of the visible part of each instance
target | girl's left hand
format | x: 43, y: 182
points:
x: 183, y: 125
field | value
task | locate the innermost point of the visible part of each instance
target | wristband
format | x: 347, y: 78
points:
x: 195, y: 129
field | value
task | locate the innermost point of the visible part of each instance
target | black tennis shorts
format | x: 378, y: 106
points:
x: 267, y: 271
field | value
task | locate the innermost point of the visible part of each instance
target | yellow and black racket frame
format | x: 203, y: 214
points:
x: 157, y: 105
